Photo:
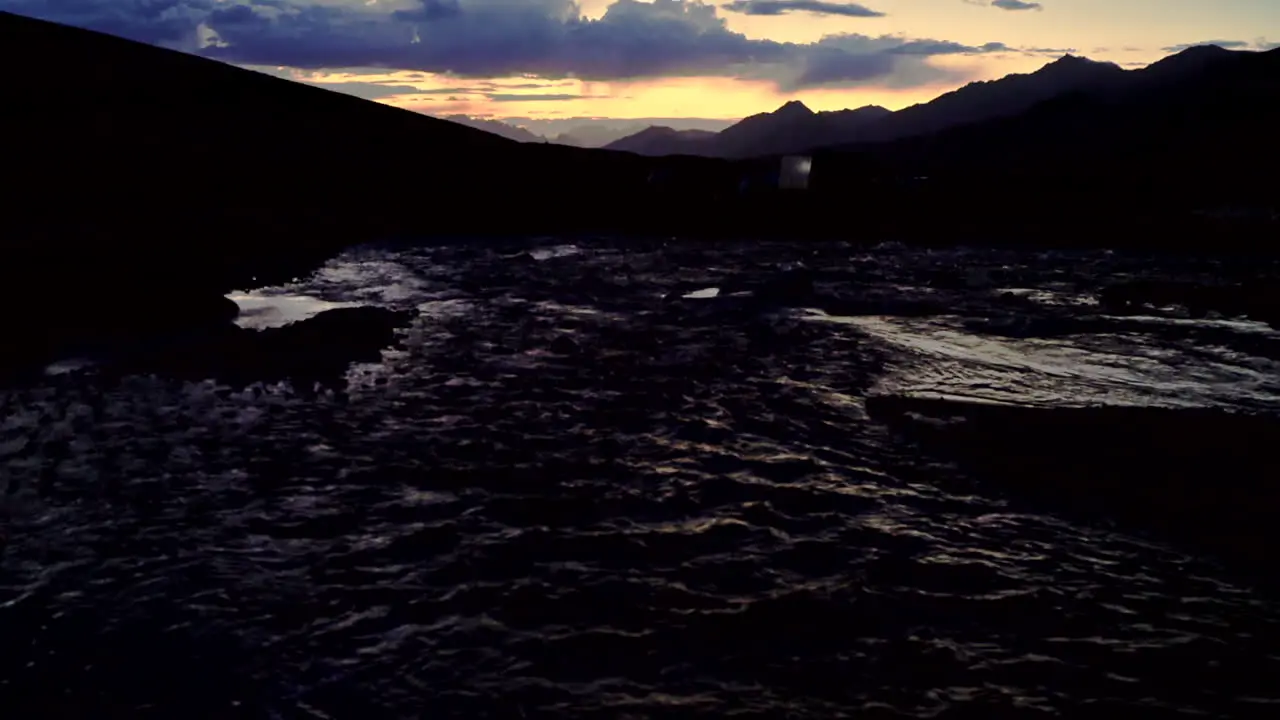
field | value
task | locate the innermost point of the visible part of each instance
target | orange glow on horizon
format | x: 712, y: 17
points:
x: 692, y: 97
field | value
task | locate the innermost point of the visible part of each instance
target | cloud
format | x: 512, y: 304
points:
x: 159, y: 22
x: 854, y: 59
x: 1259, y: 44
x: 1016, y: 5
x: 540, y: 39
x: 371, y: 91
x: 507, y: 98
x: 816, y: 7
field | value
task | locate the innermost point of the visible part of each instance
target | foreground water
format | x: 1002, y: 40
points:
x: 682, y: 512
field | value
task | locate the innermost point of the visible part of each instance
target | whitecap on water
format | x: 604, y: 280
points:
x: 703, y: 294
x: 260, y: 311
x: 938, y: 358
x: 555, y: 251
x: 377, y: 280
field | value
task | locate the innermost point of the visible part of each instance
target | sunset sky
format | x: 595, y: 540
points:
x: 666, y: 58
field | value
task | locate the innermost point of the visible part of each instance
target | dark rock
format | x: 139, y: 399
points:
x: 97, y: 319
x: 316, y: 350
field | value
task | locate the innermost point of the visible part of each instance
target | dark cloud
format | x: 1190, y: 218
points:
x: 158, y: 22
x: 854, y: 59
x: 539, y: 39
x: 928, y: 48
x: 431, y: 10
x: 1016, y: 5
x: 1225, y: 44
x: 828, y: 66
x: 816, y: 7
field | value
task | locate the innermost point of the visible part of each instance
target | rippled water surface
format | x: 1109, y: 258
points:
x: 683, y: 512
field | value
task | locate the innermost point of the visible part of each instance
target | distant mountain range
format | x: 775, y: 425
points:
x: 236, y: 176
x: 1201, y: 122
x: 497, y: 127
x: 794, y: 128
x: 589, y: 134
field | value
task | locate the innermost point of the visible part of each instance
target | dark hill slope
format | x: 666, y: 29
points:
x: 1142, y: 165
x: 153, y: 150
x: 1204, y: 127
x: 157, y: 174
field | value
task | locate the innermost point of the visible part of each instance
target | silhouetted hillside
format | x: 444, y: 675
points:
x: 658, y: 140
x: 988, y: 100
x: 794, y: 128
x: 790, y: 128
x: 158, y: 151
x: 162, y: 175
x: 1173, y: 163
x: 158, y: 154
x: 1183, y: 120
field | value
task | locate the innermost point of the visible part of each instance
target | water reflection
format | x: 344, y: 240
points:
x: 261, y: 311
x: 678, y: 508
x: 941, y: 358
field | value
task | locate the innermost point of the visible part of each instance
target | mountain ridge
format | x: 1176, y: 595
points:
x: 793, y: 128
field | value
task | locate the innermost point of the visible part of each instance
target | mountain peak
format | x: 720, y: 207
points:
x: 653, y: 130
x: 1073, y: 65
x: 1192, y: 59
x: 1069, y: 60
x: 795, y: 107
x: 1202, y: 50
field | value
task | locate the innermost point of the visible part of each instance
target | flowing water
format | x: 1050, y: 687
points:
x: 683, y: 512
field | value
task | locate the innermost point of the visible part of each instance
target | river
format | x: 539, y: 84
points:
x: 682, y: 510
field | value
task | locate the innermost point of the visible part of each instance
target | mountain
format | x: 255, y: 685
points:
x: 659, y: 140
x: 765, y: 133
x: 794, y: 128
x: 166, y: 178
x: 986, y: 100
x: 1189, y: 62
x: 1206, y: 106
x: 497, y: 127
x: 1143, y: 162
x: 166, y: 173
x: 160, y: 152
x: 595, y: 135
x: 789, y: 128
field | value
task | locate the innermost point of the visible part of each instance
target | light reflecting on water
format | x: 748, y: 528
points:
x: 261, y: 311
x: 939, y: 357
x: 566, y: 498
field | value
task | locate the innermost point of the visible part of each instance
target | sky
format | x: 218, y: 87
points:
x: 548, y: 60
